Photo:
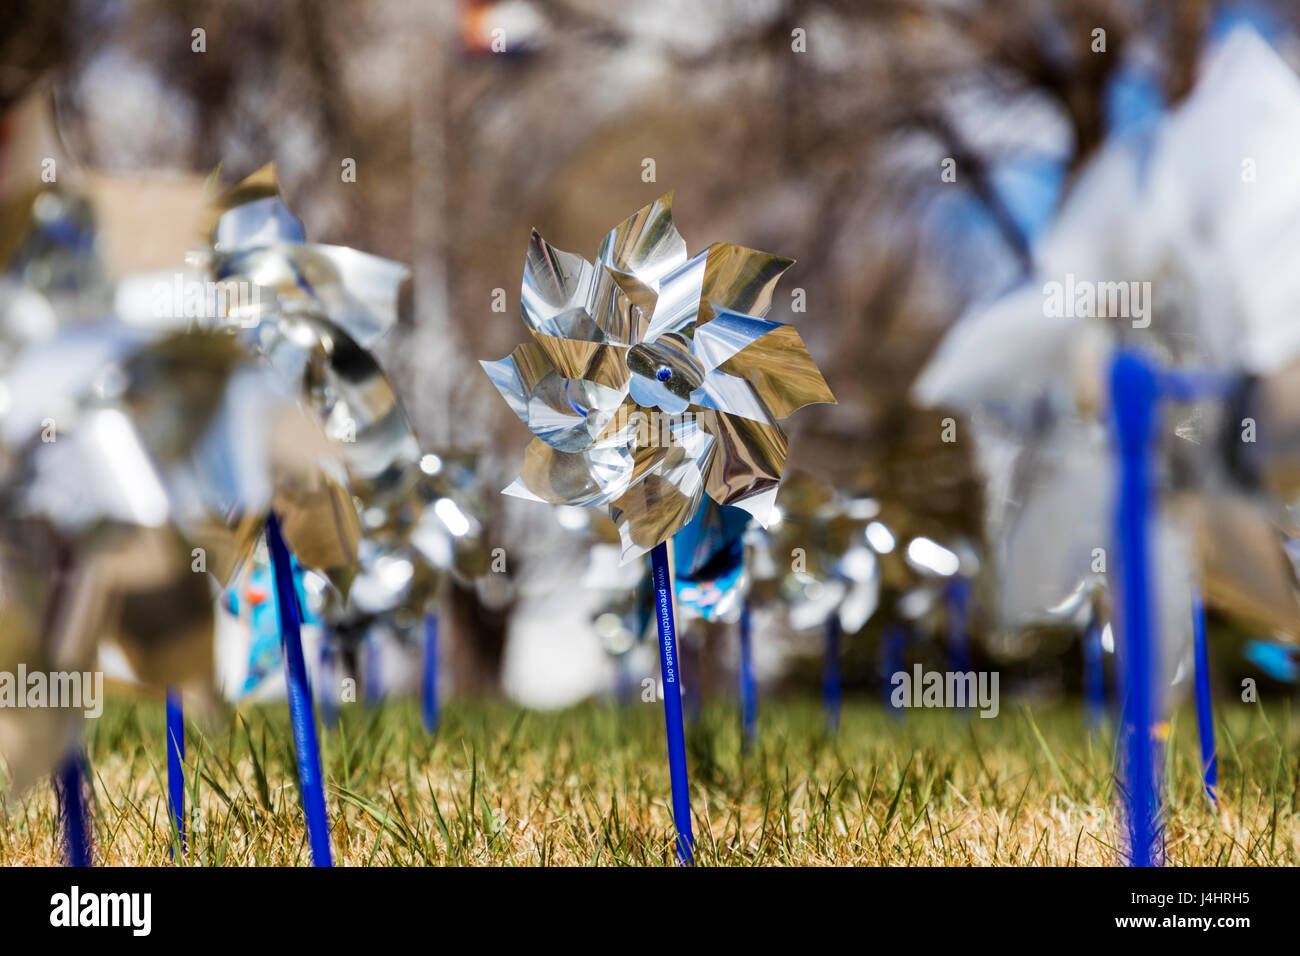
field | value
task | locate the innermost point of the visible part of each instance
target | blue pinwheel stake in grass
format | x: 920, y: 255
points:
x: 893, y: 651
x: 1094, y: 671
x: 956, y: 599
x: 670, y: 669
x: 649, y: 371
x: 429, y: 673
x: 1135, y: 406
x: 70, y: 785
x: 1204, y: 703
x: 175, y: 766
x: 1138, y: 385
x: 832, y: 692
x: 302, y: 713
x: 748, y: 680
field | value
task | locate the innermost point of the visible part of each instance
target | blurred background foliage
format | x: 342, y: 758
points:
x: 818, y: 130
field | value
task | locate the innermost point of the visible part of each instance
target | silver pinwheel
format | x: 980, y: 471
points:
x: 653, y: 378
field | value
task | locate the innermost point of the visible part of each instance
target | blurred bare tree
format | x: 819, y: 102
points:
x: 817, y: 130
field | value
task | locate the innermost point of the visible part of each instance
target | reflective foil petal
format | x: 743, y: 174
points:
x: 257, y: 223
x: 780, y: 369
x: 646, y: 244
x: 593, y: 477
x: 729, y: 394
x: 555, y: 283
x: 747, y: 461
x: 741, y: 279
x: 622, y: 305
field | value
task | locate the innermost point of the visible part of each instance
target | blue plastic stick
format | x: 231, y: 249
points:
x: 175, y: 762
x: 301, y: 711
x: 429, y: 675
x: 956, y: 596
x: 76, y: 821
x: 622, y: 679
x: 831, y: 695
x: 1134, y: 394
x: 328, y: 689
x: 748, y: 686
x: 372, y: 667
x: 1204, y: 704
x: 1094, y: 672
x: 891, y: 662
x: 668, y: 664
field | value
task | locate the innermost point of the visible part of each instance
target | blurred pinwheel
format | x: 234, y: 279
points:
x: 416, y: 522
x: 50, y: 269
x: 406, y: 568
x: 1175, y: 208
x: 623, y: 605
x: 653, y: 379
x: 186, y: 432
x: 817, y: 558
x: 313, y: 311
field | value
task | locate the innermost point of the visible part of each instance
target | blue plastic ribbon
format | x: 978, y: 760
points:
x: 748, y: 686
x: 1135, y: 391
x: 669, y: 668
x: 175, y: 765
x: 1204, y: 704
x: 76, y: 821
x: 709, y: 553
x: 831, y: 693
x: 301, y: 711
x: 429, y: 674
x: 1275, y: 660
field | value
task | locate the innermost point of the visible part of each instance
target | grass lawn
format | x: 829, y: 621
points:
x: 499, y: 785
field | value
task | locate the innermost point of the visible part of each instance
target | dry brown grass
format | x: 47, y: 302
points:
x: 590, y: 785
